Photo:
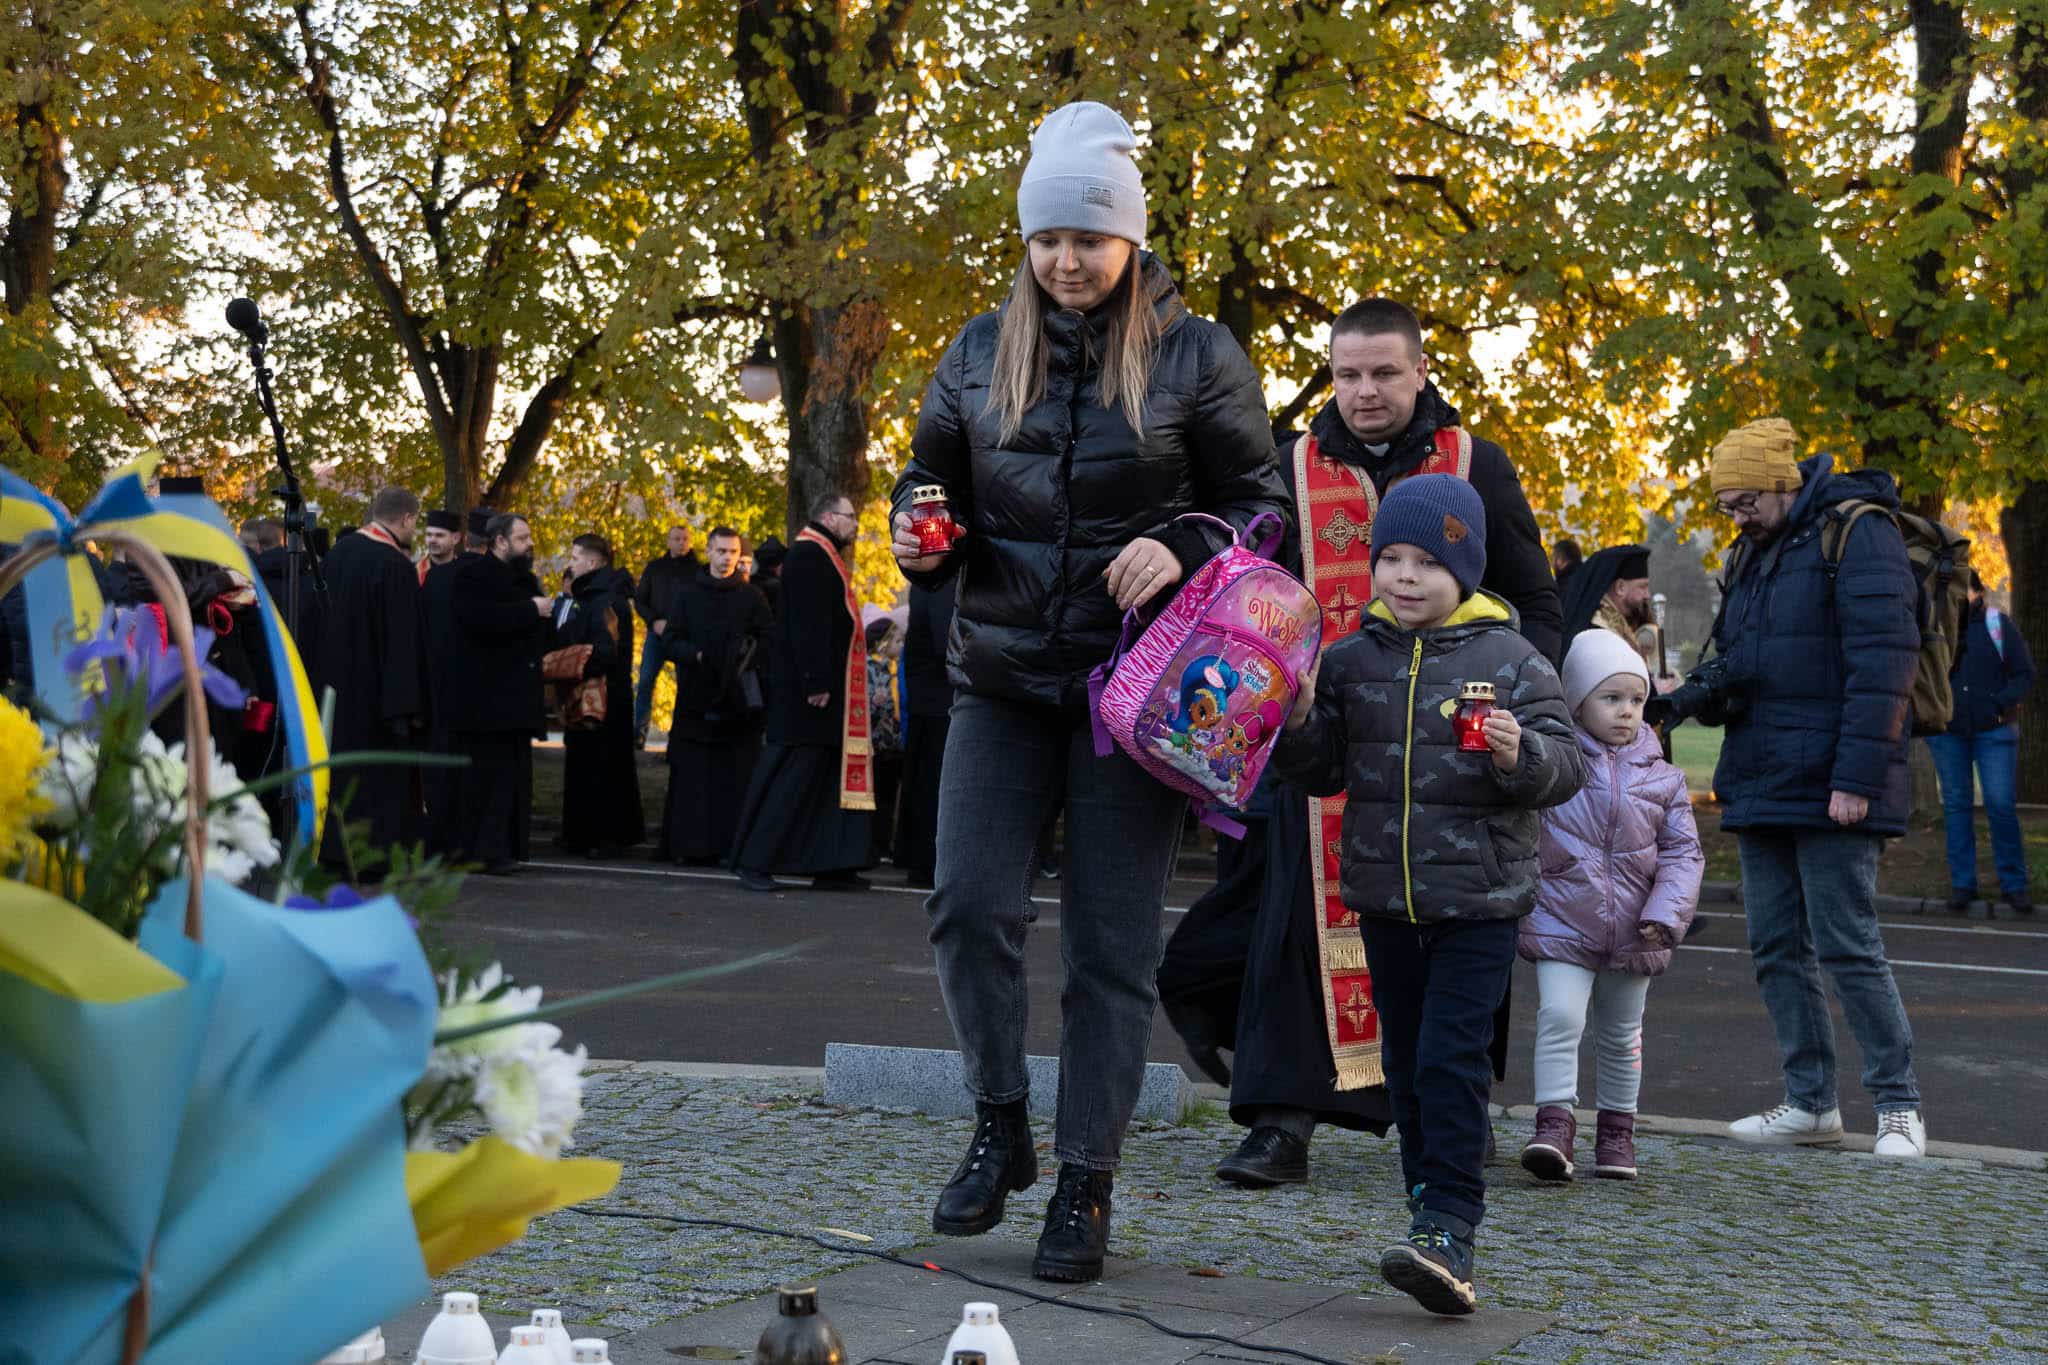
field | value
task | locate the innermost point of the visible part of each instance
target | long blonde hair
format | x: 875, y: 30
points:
x: 1019, y: 379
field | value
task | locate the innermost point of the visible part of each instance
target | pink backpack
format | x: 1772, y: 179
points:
x: 1197, y: 699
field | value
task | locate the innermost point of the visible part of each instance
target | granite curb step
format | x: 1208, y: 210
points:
x: 1188, y: 1092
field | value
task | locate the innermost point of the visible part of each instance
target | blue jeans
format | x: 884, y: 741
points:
x: 1008, y: 765
x: 1994, y: 754
x: 1810, y: 896
x: 652, y: 661
x: 1436, y: 987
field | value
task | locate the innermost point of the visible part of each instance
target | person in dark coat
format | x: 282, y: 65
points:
x: 443, y: 646
x: 370, y: 655
x: 1381, y: 425
x: 1073, y: 430
x: 601, y: 814
x: 1439, y: 843
x: 1816, y: 668
x: 928, y: 704
x: 798, y: 818
x: 1565, y: 558
x: 1993, y: 673
x: 769, y: 556
x: 716, y: 639
x: 500, y: 631
x: 654, y: 597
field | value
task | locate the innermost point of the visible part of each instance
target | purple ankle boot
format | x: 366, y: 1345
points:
x: 1614, y: 1146
x: 1548, y: 1155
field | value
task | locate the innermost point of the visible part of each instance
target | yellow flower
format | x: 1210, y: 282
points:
x: 22, y: 755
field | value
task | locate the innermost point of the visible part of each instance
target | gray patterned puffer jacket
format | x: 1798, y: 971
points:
x: 1430, y: 833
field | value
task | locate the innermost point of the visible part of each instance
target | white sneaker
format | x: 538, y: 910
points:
x: 1900, y: 1133
x: 1787, y: 1124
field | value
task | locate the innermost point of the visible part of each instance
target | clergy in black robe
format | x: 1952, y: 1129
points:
x: 927, y: 719
x: 500, y: 630
x: 792, y: 821
x: 715, y: 639
x: 442, y: 648
x: 370, y: 656
x: 601, y: 815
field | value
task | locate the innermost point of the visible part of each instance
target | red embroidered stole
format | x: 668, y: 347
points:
x: 856, y: 761
x: 1336, y: 503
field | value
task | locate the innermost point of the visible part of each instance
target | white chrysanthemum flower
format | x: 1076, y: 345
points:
x: 238, y: 837
x: 67, y: 781
x: 530, y: 1091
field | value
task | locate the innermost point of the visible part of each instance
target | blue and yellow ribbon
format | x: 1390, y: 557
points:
x: 65, y: 606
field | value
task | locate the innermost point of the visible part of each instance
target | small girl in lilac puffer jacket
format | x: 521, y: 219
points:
x: 1621, y: 867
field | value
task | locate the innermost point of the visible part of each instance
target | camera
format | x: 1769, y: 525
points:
x: 1708, y: 694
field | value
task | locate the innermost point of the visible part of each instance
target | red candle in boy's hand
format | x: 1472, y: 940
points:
x: 1475, y: 704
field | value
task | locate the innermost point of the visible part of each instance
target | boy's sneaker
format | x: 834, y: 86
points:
x: 1785, y: 1125
x: 1434, y: 1265
x: 1548, y: 1153
x: 1900, y: 1133
x: 1614, y: 1146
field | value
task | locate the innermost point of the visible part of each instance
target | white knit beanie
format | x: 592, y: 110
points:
x: 1595, y: 656
x: 1081, y: 175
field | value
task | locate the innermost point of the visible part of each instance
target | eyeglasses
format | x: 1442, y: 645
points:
x: 1744, y: 506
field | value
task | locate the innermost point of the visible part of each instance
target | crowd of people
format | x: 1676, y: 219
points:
x: 1098, y: 443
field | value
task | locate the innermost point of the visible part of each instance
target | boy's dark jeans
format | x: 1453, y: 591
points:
x: 1436, y: 987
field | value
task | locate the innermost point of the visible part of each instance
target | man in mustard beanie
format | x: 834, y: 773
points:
x: 1812, y: 675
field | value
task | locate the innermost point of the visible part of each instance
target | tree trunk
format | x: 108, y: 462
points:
x: 827, y: 358
x: 2024, y: 525
x: 28, y: 252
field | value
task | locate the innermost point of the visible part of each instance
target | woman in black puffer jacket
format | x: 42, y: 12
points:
x: 1070, y: 429
x: 601, y: 811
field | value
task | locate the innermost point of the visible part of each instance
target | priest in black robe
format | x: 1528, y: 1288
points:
x: 501, y: 624
x: 715, y: 638
x: 792, y: 821
x: 370, y: 656
x: 441, y: 648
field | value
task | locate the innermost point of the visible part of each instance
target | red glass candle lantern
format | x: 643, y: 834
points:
x: 931, y: 521
x: 1475, y: 704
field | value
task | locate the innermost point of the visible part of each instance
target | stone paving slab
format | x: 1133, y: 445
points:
x: 1719, y: 1253
x: 929, y: 1080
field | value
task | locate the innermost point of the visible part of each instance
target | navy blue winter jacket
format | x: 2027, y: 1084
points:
x: 1990, y: 683
x: 1825, y: 666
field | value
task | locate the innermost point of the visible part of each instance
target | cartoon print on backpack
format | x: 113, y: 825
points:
x: 1205, y: 690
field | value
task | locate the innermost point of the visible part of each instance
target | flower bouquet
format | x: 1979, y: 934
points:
x: 205, y: 1088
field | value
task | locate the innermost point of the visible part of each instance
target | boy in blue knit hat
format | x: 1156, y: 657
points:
x: 1439, y: 843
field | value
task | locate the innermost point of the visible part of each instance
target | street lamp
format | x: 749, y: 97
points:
x: 760, y: 381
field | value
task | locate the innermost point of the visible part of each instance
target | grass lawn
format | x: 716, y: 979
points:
x: 1696, y: 748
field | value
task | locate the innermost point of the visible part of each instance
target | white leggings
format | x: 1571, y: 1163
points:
x: 1563, y: 991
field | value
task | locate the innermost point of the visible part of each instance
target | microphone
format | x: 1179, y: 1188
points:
x: 243, y: 317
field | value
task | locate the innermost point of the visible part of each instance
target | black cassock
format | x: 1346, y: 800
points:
x: 715, y: 637
x: 370, y: 655
x: 498, y: 707
x: 792, y: 822
x: 601, y: 777
x: 441, y: 646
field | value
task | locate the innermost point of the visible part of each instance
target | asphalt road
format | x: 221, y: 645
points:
x: 1977, y: 994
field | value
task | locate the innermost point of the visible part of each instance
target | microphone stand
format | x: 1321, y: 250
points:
x: 294, y: 513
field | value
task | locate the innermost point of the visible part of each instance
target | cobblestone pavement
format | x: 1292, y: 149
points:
x: 1717, y: 1253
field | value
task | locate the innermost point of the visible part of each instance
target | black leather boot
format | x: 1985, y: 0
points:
x: 1076, y: 1235
x: 999, y: 1160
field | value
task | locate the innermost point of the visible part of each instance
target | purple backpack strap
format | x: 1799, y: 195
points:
x: 1098, y: 679
x: 1215, y: 819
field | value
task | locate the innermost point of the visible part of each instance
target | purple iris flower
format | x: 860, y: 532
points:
x: 131, y: 647
x: 338, y: 898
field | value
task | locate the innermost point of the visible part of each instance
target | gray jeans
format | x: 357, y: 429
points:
x: 1564, y: 992
x: 1811, y: 899
x: 1007, y: 766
